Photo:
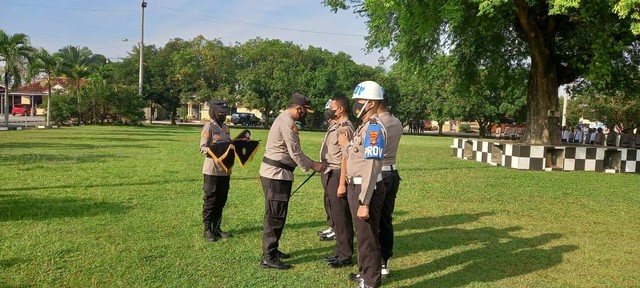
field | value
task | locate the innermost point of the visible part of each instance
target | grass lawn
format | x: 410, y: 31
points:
x: 121, y: 206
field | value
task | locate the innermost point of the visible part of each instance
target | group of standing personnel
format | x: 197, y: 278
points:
x: 358, y: 174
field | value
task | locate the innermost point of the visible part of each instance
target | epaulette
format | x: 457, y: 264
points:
x: 373, y: 121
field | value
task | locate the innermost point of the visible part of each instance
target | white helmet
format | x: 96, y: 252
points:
x: 369, y: 90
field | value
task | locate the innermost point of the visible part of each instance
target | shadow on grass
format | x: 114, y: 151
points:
x: 68, y: 186
x: 44, y: 208
x: 500, y: 255
x: 42, y: 145
x: 96, y: 138
x: 440, y: 221
x: 8, y: 263
x: 36, y: 158
x: 288, y: 227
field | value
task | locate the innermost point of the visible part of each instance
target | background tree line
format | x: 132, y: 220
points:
x: 464, y: 60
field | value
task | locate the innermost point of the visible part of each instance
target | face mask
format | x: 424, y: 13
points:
x: 358, y: 109
x: 222, y: 117
x: 301, y: 115
x: 330, y: 114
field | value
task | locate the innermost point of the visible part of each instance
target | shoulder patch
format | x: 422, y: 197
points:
x: 373, y: 121
x: 294, y: 128
x: 374, y: 143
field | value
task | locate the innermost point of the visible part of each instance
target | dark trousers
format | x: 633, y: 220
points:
x: 327, y: 202
x: 276, y: 205
x: 216, y: 189
x: 339, y: 209
x: 369, y: 258
x: 391, y: 180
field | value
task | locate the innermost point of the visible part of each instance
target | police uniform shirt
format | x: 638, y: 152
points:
x: 283, y: 145
x: 214, y: 133
x: 365, y: 155
x: 394, y: 131
x: 331, y: 152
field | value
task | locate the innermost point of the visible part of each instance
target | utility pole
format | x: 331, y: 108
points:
x: 141, y: 48
x: 6, y: 98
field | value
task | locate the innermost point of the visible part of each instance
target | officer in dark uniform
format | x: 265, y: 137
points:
x: 391, y: 179
x: 282, y: 155
x: 332, y: 154
x: 216, y: 178
x: 365, y: 189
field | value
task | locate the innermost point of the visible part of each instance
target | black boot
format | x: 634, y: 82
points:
x: 218, y: 232
x: 208, y: 233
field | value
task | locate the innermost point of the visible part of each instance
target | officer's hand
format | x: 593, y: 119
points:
x: 342, y: 190
x: 343, y: 140
x: 363, y: 212
x: 317, y: 166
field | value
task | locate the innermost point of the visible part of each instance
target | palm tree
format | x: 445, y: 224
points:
x: 15, y: 51
x: 49, y: 64
x: 77, y: 64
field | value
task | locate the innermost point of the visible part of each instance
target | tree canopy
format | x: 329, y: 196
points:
x: 557, y: 42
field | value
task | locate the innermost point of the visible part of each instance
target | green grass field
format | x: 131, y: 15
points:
x: 121, y: 206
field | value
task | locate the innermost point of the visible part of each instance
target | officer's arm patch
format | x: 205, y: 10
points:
x: 374, y: 143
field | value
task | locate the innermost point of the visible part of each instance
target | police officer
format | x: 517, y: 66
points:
x: 365, y: 189
x: 334, y: 182
x: 391, y: 180
x: 282, y: 155
x: 216, y: 179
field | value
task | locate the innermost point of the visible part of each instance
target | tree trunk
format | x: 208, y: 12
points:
x: 542, y: 85
x: 482, y: 127
x: 542, y: 97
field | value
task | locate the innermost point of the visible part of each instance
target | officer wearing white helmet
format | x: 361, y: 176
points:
x: 391, y: 179
x: 365, y: 189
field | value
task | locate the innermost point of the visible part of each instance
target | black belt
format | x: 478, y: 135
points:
x: 278, y: 164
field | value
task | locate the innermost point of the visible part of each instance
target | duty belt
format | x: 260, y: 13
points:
x: 278, y: 164
x: 387, y: 168
x: 358, y: 180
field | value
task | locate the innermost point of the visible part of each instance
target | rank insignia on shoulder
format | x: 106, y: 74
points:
x: 374, y: 143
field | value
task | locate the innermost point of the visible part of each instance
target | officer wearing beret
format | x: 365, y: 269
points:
x: 391, y: 179
x: 365, y: 189
x: 282, y: 155
x: 333, y: 181
x: 216, y: 179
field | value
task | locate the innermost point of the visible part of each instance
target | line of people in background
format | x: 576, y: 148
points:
x: 418, y: 126
x: 593, y: 136
x: 508, y: 131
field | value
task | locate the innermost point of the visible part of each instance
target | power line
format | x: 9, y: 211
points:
x: 224, y: 20
x: 258, y: 25
x: 66, y: 8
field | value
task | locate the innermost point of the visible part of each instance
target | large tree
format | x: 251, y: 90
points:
x: 77, y: 64
x: 49, y: 65
x: 15, y: 52
x: 269, y: 73
x: 556, y: 40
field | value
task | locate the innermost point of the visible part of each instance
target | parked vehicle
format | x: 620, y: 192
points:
x: 22, y: 109
x: 245, y: 119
